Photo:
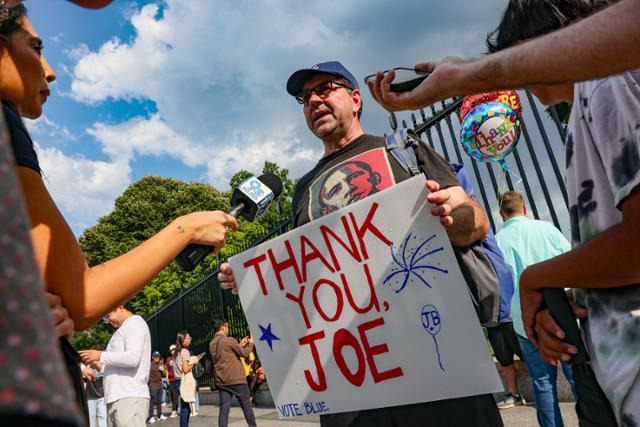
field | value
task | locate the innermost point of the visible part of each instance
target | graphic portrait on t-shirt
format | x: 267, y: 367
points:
x: 350, y: 181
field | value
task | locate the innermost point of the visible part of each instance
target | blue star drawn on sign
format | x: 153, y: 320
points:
x: 411, y: 259
x: 268, y: 336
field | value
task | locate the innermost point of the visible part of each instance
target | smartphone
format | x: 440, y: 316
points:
x: 560, y: 309
x: 406, y: 79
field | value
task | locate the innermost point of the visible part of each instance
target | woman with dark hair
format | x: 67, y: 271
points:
x: 186, y: 382
x: 35, y: 388
x: 87, y: 292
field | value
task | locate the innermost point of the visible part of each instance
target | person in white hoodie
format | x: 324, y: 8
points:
x: 126, y: 368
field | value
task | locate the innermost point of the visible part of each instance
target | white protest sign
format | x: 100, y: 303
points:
x: 364, y: 308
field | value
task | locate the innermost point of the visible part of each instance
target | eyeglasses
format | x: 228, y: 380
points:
x: 322, y: 90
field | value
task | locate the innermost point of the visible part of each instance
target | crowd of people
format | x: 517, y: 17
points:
x: 125, y: 384
x: 545, y: 46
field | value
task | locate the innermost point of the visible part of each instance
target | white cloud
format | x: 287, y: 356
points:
x: 84, y: 189
x: 153, y: 137
x: 216, y: 72
x: 218, y: 68
x: 142, y: 136
x: 43, y: 125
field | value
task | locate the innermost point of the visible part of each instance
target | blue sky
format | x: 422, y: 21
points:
x: 194, y: 89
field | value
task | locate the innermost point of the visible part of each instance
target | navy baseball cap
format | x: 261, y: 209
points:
x: 300, y: 77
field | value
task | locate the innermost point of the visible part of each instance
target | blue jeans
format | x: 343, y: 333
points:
x: 185, y: 409
x: 97, y: 412
x: 544, y: 378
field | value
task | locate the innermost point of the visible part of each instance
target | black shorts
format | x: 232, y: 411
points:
x: 504, y: 342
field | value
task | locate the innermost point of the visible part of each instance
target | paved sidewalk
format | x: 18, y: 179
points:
x: 519, y: 416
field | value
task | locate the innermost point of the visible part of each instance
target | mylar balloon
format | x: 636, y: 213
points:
x: 507, y: 97
x: 490, y: 131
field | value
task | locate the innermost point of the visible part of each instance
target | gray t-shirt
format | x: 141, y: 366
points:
x: 178, y: 361
x: 603, y: 167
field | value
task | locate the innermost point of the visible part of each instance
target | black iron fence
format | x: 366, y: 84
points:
x: 534, y: 167
x: 536, y: 173
x: 196, y: 308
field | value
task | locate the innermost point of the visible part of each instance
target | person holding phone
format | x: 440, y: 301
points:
x: 127, y: 363
x: 230, y: 375
x: 186, y: 382
x: 603, y: 44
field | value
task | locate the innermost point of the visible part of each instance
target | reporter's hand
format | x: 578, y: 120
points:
x: 225, y: 276
x: 551, y: 336
x: 449, y: 77
x: 62, y: 322
x: 440, y: 199
x: 208, y: 227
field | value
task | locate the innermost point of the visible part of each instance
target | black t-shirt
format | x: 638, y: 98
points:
x: 21, y: 142
x: 361, y: 168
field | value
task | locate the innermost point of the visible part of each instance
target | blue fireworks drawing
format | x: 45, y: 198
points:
x: 410, y: 259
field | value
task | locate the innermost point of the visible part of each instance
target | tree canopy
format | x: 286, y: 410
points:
x: 146, y: 207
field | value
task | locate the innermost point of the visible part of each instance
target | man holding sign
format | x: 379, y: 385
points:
x: 354, y: 166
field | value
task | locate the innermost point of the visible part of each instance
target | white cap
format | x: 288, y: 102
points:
x: 172, y: 347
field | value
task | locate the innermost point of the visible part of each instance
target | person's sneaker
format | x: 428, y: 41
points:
x: 162, y: 418
x: 519, y: 400
x: 152, y: 420
x: 509, y: 401
x: 173, y: 414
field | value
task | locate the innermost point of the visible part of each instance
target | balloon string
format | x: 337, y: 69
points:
x: 512, y: 172
x: 506, y: 169
x: 499, y: 184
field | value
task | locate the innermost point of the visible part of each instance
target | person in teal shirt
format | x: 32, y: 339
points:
x: 524, y: 241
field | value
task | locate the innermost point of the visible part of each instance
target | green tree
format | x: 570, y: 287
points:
x: 146, y: 207
x: 563, y: 110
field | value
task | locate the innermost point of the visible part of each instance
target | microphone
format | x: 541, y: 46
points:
x: 250, y: 200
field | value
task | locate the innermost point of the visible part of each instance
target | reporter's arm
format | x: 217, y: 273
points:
x: 87, y: 293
